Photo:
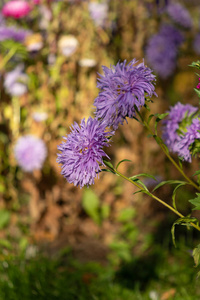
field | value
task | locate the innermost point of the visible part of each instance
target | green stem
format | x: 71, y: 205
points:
x: 156, y: 198
x: 191, y: 182
x: 8, y: 56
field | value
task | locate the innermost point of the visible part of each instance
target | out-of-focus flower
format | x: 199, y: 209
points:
x: 122, y: 88
x: 68, y: 45
x: 45, y: 17
x: 179, y: 15
x: 171, y: 125
x: 16, y: 9
x: 98, y: 12
x: 81, y: 153
x: 34, y: 42
x: 15, y: 82
x: 87, y: 62
x: 196, y: 44
x: 30, y: 152
x: 39, y: 116
x: 162, y: 50
x: 186, y: 140
x: 13, y: 33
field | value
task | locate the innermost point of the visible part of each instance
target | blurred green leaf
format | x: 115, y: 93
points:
x: 196, y: 255
x: 169, y: 182
x: 126, y: 214
x: 91, y: 205
x: 4, y: 218
x: 196, y: 202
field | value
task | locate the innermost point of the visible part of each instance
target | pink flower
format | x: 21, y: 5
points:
x: 16, y: 9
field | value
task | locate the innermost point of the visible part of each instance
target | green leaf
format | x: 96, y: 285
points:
x: 196, y: 202
x: 169, y: 182
x: 149, y: 118
x: 159, y: 117
x: 126, y: 215
x: 108, y: 164
x: 196, y: 173
x: 108, y: 170
x: 144, y: 175
x: 4, y: 218
x: 196, y: 255
x: 185, y: 221
x: 91, y: 204
x: 105, y: 211
x: 122, y: 162
x: 139, y: 181
x: 197, y: 91
x: 174, y: 193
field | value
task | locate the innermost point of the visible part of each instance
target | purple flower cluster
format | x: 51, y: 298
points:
x: 30, y: 152
x: 174, y: 136
x: 196, y: 44
x: 82, y: 152
x: 179, y: 15
x: 162, y: 50
x: 186, y: 140
x: 122, y: 88
x: 15, y: 81
x: 12, y: 33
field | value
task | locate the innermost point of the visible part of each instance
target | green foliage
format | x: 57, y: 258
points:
x: 185, y: 221
x: 196, y: 255
x: 123, y: 160
x: 90, y: 203
x: 196, y: 202
x: 4, y: 218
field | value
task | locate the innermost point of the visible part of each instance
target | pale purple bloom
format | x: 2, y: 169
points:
x: 162, y: 50
x: 196, y: 44
x: 98, y: 12
x: 15, y: 81
x: 39, y: 116
x: 172, y: 123
x: 30, y: 152
x: 186, y: 140
x: 179, y: 15
x: 81, y: 152
x: 13, y: 33
x: 122, y: 87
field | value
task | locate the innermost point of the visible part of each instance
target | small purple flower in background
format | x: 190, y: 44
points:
x: 198, y: 85
x: 179, y: 15
x: 185, y: 141
x: 39, y: 116
x: 15, y: 81
x: 30, y: 152
x: 13, y: 33
x: 98, y: 12
x: 121, y: 89
x: 162, y: 50
x: 82, y: 152
x: 172, y: 122
x: 196, y: 44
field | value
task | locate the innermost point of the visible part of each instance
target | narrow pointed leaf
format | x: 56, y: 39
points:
x: 108, y: 164
x: 122, y: 162
x: 169, y: 182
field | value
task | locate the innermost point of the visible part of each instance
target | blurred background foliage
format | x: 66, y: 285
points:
x: 66, y: 44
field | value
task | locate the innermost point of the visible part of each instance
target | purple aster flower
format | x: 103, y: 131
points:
x: 30, y: 152
x: 15, y: 81
x: 196, y: 44
x: 179, y: 15
x: 82, y: 152
x: 13, y: 33
x: 172, y: 123
x: 185, y: 141
x: 121, y: 89
x: 162, y: 50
